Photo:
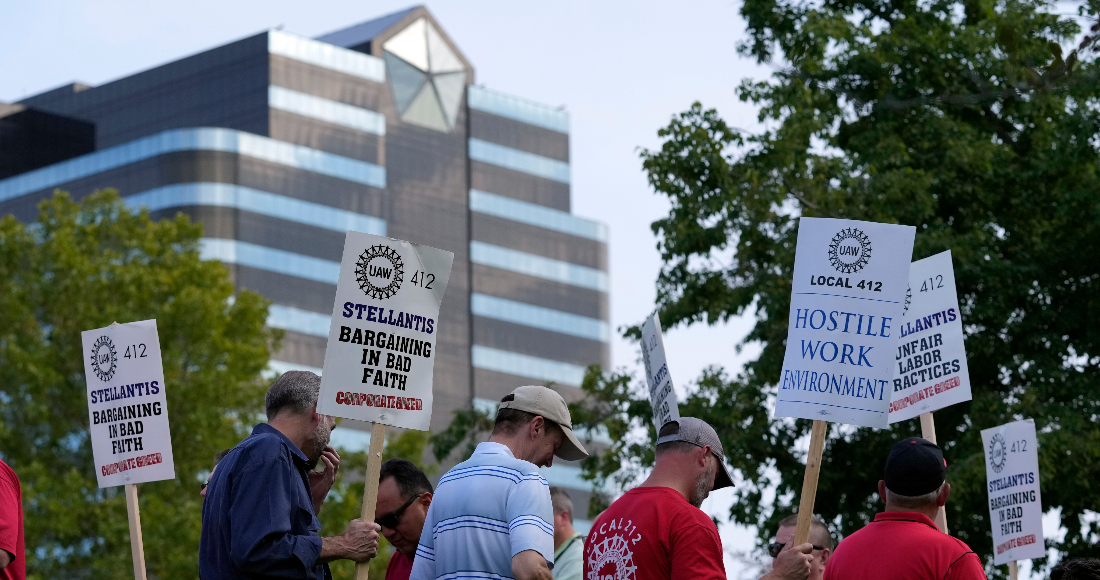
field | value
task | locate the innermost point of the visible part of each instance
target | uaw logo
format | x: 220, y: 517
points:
x: 849, y: 251
x: 612, y: 559
x: 104, y: 358
x: 379, y: 272
x: 998, y: 453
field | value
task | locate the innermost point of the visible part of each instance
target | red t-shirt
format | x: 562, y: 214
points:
x: 653, y: 533
x: 400, y: 567
x: 903, y: 546
x: 11, y: 524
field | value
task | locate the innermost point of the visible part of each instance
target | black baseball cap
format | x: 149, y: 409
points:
x: 915, y: 467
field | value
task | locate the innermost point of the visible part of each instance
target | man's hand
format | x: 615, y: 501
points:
x: 321, y: 481
x: 358, y: 543
x: 793, y: 563
x: 530, y: 565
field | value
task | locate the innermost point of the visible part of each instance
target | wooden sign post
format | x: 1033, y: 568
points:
x: 370, y: 486
x: 137, y: 546
x: 928, y: 431
x: 381, y: 351
x: 122, y: 366
x: 809, y: 483
x: 1013, y: 570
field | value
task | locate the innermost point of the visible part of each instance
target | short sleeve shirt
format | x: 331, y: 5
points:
x: 400, y: 567
x: 653, y: 533
x: 11, y: 524
x: 917, y: 550
x: 485, y: 510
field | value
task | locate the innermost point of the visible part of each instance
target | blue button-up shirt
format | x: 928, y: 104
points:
x: 257, y: 518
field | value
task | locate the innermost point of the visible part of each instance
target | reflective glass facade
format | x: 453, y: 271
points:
x: 270, y: 259
x: 539, y: 317
x: 536, y: 215
x: 521, y: 110
x: 204, y: 139
x: 326, y: 55
x: 261, y: 202
x: 325, y: 110
x: 517, y: 160
x: 514, y: 363
x: 532, y: 265
x: 298, y: 320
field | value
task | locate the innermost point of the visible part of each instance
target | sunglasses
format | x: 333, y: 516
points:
x: 775, y: 548
x: 393, y: 519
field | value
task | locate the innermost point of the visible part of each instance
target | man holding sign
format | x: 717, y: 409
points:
x: 259, y: 518
x: 903, y: 542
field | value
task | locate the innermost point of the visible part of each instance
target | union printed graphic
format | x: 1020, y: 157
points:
x: 611, y: 557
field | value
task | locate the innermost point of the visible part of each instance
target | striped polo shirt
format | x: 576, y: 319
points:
x: 485, y: 510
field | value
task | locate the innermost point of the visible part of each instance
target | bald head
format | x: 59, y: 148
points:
x: 819, y: 532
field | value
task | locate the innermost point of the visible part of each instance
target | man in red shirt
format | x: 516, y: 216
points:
x: 13, y: 557
x: 656, y: 531
x: 903, y: 543
x: 404, y: 494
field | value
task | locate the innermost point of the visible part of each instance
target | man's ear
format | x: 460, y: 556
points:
x: 703, y: 452
x: 882, y: 490
x: 944, y: 492
x: 536, y: 426
x: 315, y: 417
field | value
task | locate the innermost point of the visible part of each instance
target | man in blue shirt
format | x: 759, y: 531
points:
x: 259, y: 518
x: 490, y: 516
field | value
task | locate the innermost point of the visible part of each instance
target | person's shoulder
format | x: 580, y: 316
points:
x: 257, y: 448
x: 8, y: 476
x: 497, y: 467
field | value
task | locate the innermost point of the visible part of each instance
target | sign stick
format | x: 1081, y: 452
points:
x: 370, y: 492
x: 809, y: 483
x: 1013, y: 570
x: 928, y: 431
x: 137, y: 547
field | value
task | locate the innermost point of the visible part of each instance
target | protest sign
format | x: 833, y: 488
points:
x: 662, y: 397
x: 1015, y: 505
x: 846, y: 298
x: 381, y: 343
x: 128, y: 414
x: 127, y: 408
x: 847, y: 290
x: 930, y: 370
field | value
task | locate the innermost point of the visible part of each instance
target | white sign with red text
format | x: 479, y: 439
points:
x: 127, y: 407
x: 930, y: 370
x: 381, y: 344
x: 662, y: 397
x: 1015, y: 506
x: 846, y: 300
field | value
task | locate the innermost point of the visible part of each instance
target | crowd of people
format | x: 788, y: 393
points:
x: 495, y: 516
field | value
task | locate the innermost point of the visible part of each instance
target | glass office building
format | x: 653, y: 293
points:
x: 279, y: 144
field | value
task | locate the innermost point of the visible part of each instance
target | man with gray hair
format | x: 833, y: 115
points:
x: 789, y: 562
x: 259, y: 517
x: 904, y: 543
x: 568, y: 544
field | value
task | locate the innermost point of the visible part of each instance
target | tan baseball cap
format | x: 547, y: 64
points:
x: 539, y: 400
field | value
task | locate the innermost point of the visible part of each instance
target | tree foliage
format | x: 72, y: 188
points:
x: 85, y: 265
x: 975, y: 121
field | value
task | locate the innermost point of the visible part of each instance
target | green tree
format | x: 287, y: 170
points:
x: 81, y: 266
x: 975, y: 121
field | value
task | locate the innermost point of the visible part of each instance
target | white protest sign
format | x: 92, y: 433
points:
x: 1015, y: 506
x: 846, y: 298
x: 127, y: 407
x: 381, y: 344
x: 930, y: 370
x: 662, y: 397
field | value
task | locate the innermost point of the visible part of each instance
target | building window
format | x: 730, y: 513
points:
x: 539, y: 317
x: 255, y: 201
x: 517, y: 109
x: 326, y: 110
x: 517, y: 160
x: 536, y: 215
x: 538, y: 266
x: 270, y: 259
x: 514, y: 363
x: 326, y: 55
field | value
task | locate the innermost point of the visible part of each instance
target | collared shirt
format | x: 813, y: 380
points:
x: 485, y: 510
x: 257, y: 518
x: 903, y: 546
x: 569, y: 559
x: 11, y: 524
x: 400, y: 567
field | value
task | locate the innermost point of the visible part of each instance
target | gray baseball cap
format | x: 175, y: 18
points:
x: 539, y: 400
x: 699, y: 433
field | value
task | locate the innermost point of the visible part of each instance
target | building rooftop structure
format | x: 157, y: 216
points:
x: 279, y: 144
